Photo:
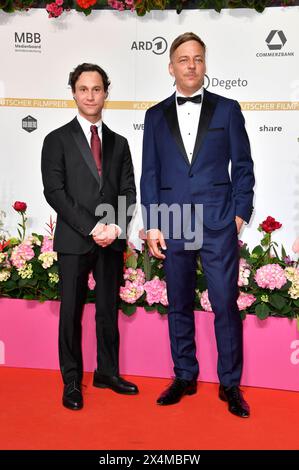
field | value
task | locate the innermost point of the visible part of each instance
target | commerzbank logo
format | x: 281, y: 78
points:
x: 157, y: 46
x: 275, y: 41
x: 28, y: 41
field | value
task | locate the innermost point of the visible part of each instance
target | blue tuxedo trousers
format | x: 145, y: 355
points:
x: 220, y: 262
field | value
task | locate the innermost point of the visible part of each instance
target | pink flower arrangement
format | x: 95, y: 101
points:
x: 131, y: 292
x: 244, y: 301
x: 205, y: 302
x: 91, y: 282
x: 244, y: 273
x: 122, y: 5
x: 47, y: 245
x: 270, y: 276
x: 134, y: 275
x: 20, y: 254
x: 55, y: 9
x: 156, y: 292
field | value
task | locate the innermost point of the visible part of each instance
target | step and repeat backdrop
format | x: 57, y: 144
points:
x: 251, y: 57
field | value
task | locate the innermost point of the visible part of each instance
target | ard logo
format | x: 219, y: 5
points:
x: 157, y: 46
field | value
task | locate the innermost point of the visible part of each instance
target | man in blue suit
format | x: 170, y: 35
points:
x: 190, y: 141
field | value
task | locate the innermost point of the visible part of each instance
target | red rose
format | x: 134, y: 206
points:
x: 20, y: 206
x: 270, y: 224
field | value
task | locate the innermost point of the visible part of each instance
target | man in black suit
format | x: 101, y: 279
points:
x: 88, y: 173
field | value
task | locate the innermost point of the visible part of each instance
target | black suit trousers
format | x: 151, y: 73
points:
x: 106, y: 265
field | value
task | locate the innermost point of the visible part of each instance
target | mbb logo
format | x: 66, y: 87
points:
x: 27, y: 38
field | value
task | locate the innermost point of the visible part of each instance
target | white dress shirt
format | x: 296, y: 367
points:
x: 188, y: 117
x: 85, y: 124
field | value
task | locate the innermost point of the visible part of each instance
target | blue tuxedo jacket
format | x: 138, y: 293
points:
x: 222, y: 142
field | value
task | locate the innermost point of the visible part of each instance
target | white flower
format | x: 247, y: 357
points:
x: 4, y: 275
x: 47, y: 258
x: 26, y: 271
x: 54, y: 278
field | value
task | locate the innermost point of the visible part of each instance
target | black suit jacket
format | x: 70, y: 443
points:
x: 74, y: 189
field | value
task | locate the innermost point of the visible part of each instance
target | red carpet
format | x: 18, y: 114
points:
x: 32, y: 417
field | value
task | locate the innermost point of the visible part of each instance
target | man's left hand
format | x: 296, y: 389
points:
x: 106, y: 235
x: 239, y: 223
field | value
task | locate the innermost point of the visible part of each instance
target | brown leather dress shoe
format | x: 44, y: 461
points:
x: 177, y: 389
x: 72, y: 396
x: 236, y: 403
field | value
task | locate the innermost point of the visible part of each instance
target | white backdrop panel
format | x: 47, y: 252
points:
x: 236, y: 48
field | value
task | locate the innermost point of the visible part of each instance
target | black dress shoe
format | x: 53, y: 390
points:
x: 236, y: 403
x: 176, y: 391
x: 116, y: 383
x: 72, y: 396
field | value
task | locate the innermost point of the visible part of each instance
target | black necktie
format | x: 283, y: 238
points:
x: 184, y: 99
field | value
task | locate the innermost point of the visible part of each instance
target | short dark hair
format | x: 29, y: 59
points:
x: 184, y: 38
x: 75, y: 74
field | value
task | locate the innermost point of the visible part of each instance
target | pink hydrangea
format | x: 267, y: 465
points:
x: 205, y: 302
x: 156, y: 292
x: 131, y: 292
x: 245, y: 300
x: 47, y: 244
x: 136, y: 275
x: 20, y: 254
x: 91, y: 281
x: 244, y: 273
x: 270, y: 276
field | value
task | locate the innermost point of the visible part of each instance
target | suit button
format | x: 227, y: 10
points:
x: 191, y: 176
x: 101, y: 193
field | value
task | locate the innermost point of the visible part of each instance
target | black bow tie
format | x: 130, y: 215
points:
x: 184, y: 99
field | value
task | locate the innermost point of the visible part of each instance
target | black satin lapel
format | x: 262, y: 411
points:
x: 84, y: 148
x: 207, y: 111
x: 107, y: 150
x: 173, y: 124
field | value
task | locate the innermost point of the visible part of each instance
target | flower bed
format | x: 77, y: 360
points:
x: 268, y: 281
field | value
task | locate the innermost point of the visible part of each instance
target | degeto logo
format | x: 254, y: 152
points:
x: 157, y: 46
x: 216, y: 82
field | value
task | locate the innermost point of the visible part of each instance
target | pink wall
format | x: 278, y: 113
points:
x: 28, y: 338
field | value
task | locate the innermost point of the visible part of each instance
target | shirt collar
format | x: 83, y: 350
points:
x: 85, y: 124
x: 200, y: 91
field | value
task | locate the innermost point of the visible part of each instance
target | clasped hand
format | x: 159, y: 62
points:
x: 104, y: 235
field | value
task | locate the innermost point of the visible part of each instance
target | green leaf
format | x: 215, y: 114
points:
x: 283, y: 252
x: 128, y: 309
x: 147, y: 264
x: 277, y: 301
x: 149, y: 308
x: 258, y: 250
x: 286, y: 310
x: 262, y: 311
x: 296, y: 302
x: 161, y: 309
